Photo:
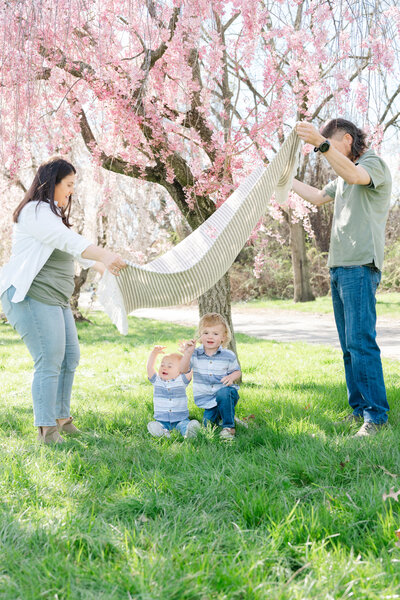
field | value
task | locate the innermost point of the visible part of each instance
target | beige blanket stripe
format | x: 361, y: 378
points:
x: 201, y: 259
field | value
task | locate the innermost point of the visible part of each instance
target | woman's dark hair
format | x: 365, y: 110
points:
x: 358, y: 146
x: 47, y: 177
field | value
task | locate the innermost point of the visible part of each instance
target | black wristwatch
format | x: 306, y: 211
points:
x: 324, y: 147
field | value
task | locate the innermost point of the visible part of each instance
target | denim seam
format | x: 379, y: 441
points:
x: 39, y: 336
x: 372, y: 284
x: 62, y: 374
x: 63, y: 369
x: 364, y: 282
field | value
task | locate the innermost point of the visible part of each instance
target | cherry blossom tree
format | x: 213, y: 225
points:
x: 192, y: 94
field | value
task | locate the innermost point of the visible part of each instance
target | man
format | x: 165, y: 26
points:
x: 361, y: 193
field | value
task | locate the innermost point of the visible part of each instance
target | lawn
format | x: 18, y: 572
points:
x: 387, y: 305
x: 293, y: 509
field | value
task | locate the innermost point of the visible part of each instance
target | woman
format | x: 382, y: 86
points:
x: 36, y: 286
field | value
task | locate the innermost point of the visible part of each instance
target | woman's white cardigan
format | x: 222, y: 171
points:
x: 38, y: 232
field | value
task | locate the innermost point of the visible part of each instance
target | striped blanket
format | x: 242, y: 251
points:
x: 201, y: 259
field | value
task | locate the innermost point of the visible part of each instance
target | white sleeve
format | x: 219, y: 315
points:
x: 38, y: 221
x: 86, y: 263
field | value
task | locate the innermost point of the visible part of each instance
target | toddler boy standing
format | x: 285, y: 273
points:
x: 215, y: 369
x: 169, y: 396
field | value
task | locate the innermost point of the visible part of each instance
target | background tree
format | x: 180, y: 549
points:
x: 190, y: 94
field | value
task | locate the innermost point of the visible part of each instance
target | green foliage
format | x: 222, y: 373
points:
x: 391, y: 272
x: 276, y: 278
x: 292, y: 509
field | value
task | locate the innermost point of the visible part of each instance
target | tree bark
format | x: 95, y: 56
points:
x: 301, y: 275
x: 218, y: 299
x: 79, y: 280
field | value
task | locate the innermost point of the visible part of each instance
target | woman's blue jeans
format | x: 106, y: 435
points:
x: 50, y: 335
x: 226, y: 399
x: 353, y: 297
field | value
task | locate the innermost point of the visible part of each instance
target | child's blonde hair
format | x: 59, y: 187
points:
x: 173, y: 355
x: 210, y: 319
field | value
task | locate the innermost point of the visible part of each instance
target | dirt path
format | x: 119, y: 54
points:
x: 283, y: 326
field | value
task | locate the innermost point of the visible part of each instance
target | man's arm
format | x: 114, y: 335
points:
x: 310, y: 193
x: 343, y: 166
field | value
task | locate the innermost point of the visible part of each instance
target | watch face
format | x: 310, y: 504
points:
x: 324, y: 146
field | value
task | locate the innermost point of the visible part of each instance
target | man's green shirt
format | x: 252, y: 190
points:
x: 360, y: 215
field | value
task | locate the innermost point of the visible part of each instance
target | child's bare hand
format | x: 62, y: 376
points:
x: 187, y: 346
x: 159, y: 349
x: 228, y: 379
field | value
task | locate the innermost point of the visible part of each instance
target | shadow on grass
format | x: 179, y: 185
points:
x: 138, y: 332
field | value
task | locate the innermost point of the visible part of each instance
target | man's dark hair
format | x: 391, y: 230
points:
x: 358, y: 146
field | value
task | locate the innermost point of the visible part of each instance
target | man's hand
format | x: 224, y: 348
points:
x: 308, y: 133
x: 339, y: 159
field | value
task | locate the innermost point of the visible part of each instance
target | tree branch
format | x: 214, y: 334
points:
x: 389, y: 105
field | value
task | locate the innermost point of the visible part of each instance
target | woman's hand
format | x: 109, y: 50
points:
x: 112, y: 261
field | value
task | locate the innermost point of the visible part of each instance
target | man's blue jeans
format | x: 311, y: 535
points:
x: 50, y: 335
x: 226, y: 399
x: 353, y: 297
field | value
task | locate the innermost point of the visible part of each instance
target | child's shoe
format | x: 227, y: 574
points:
x: 192, y: 429
x: 157, y: 430
x: 228, y: 433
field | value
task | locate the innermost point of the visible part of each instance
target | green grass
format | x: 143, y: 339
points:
x: 387, y: 305
x: 291, y: 510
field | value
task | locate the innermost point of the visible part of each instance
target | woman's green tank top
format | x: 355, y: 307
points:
x: 54, y: 284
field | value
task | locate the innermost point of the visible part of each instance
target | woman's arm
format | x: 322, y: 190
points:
x: 111, y: 261
x: 99, y: 267
x: 40, y: 223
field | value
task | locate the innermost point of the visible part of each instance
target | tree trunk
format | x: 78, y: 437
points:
x: 301, y: 275
x: 79, y: 280
x: 218, y: 299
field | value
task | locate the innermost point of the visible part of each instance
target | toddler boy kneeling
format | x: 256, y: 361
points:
x: 215, y: 369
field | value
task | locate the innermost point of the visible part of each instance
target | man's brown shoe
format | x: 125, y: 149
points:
x: 68, y: 427
x: 51, y: 436
x: 349, y: 420
x: 370, y: 428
